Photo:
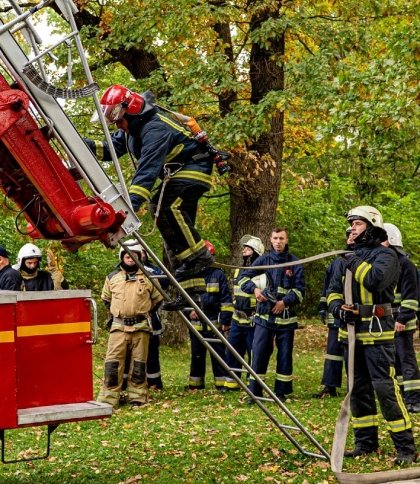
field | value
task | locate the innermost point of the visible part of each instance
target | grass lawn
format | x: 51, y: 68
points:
x: 204, y: 436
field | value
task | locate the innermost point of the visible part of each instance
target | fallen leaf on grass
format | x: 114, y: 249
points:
x: 133, y: 480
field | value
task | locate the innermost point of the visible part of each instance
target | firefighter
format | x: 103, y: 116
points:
x: 241, y: 333
x: 10, y: 279
x: 275, y: 316
x: 216, y: 304
x: 153, y: 371
x: 333, y: 362
x: 33, y: 278
x: 375, y: 270
x: 404, y: 308
x: 164, y: 149
x: 130, y: 298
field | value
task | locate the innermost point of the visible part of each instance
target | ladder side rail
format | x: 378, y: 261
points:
x: 227, y: 345
x: 87, y: 164
x: 90, y: 80
x: 24, y: 16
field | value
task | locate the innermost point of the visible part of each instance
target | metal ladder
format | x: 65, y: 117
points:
x: 79, y: 156
x: 233, y: 372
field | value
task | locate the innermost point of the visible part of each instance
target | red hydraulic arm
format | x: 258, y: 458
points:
x: 42, y: 186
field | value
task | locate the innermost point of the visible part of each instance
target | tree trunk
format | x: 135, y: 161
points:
x: 253, y: 203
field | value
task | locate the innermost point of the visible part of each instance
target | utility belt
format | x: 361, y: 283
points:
x: 395, y: 310
x: 370, y: 310
x: 130, y: 321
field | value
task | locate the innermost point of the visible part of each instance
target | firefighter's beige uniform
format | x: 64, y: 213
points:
x: 130, y: 299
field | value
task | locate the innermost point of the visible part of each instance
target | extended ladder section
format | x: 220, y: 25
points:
x: 28, y: 76
x: 31, y: 79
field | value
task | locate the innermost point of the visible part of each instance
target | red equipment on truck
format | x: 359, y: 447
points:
x: 46, y: 169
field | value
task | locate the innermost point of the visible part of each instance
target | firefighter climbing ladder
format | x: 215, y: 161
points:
x: 42, y: 96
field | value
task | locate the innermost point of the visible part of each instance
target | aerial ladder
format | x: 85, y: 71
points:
x: 64, y: 194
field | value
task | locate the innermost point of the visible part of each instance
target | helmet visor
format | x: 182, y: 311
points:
x: 112, y: 113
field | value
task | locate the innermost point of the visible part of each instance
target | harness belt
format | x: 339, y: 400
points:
x: 130, y: 321
x: 378, y: 310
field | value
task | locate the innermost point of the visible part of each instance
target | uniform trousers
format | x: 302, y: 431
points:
x: 374, y: 373
x: 176, y: 221
x: 406, y: 366
x: 334, y: 359
x: 119, y: 342
x: 262, y: 349
x: 240, y: 337
x: 198, y: 362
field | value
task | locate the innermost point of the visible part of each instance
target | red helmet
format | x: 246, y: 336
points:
x: 210, y: 247
x: 118, y: 100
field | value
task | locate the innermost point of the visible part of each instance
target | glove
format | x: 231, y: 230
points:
x: 346, y: 316
x: 352, y: 262
x: 270, y: 297
x: 322, y: 306
x: 323, y: 314
x: 108, y: 323
x: 136, y: 201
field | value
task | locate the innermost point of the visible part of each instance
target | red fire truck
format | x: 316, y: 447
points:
x: 62, y: 193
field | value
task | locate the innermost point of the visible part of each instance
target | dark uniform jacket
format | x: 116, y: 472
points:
x: 157, y: 140
x: 375, y: 275
x: 164, y: 283
x: 216, y: 302
x: 323, y: 305
x: 244, y: 303
x: 286, y: 284
x: 41, y: 282
x: 10, y: 279
x: 406, y: 296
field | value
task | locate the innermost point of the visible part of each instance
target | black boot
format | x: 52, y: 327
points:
x: 413, y: 407
x: 406, y: 448
x: 194, y: 266
x: 359, y: 450
x: 405, y: 458
x: 326, y: 392
x: 180, y: 303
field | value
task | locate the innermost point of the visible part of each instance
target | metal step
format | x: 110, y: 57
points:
x: 63, y: 413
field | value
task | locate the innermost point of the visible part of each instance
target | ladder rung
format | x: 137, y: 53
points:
x: 212, y: 340
x: 263, y: 399
x: 238, y: 370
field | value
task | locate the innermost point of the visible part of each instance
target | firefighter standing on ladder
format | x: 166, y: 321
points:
x: 375, y: 271
x: 167, y: 149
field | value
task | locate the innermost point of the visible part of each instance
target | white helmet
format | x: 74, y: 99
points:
x: 260, y: 281
x: 28, y: 251
x: 254, y: 242
x: 394, y: 235
x: 133, y: 245
x: 367, y: 213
